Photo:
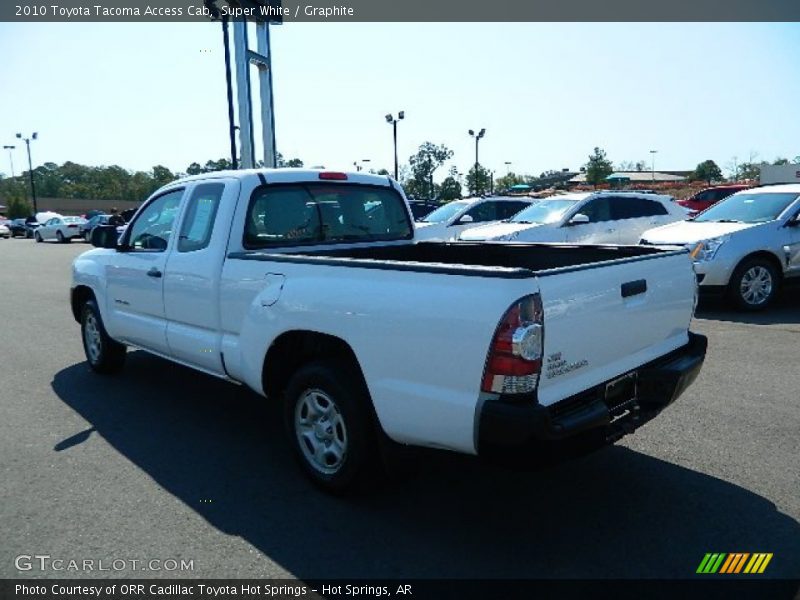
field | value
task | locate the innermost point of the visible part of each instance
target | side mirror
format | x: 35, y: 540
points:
x: 579, y: 219
x: 466, y: 219
x: 104, y: 236
x: 794, y: 222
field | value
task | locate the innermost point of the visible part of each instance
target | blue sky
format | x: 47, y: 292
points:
x: 138, y: 95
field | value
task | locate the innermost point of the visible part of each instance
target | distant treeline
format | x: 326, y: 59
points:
x: 72, y: 180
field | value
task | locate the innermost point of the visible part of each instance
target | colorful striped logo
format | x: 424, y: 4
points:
x: 734, y: 563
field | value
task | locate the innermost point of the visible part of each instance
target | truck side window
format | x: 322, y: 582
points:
x: 201, y: 212
x: 153, y: 226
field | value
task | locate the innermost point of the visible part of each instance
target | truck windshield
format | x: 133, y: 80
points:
x: 747, y: 208
x: 444, y: 213
x: 318, y: 213
x: 546, y: 211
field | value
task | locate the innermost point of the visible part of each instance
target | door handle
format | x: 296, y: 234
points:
x: 153, y: 272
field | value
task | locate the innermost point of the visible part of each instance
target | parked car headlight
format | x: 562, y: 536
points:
x: 707, y: 249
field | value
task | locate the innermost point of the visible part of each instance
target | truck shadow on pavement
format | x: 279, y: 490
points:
x: 784, y: 310
x: 617, y: 513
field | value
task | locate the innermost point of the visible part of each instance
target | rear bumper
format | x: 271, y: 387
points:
x: 588, y: 419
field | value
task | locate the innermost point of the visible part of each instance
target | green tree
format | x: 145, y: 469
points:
x: 382, y: 172
x: 509, y: 180
x: 478, y: 180
x: 450, y: 189
x: 706, y: 171
x: 749, y: 170
x: 598, y: 167
x: 424, y: 163
x: 194, y: 169
x: 780, y: 161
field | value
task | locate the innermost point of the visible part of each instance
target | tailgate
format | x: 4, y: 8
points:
x: 605, y: 320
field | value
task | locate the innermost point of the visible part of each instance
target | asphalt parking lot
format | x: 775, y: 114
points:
x: 165, y: 463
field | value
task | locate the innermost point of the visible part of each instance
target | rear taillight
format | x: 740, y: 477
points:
x: 515, y: 355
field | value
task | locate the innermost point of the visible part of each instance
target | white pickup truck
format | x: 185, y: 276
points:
x: 308, y: 287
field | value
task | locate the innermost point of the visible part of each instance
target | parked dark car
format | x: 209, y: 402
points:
x: 86, y: 228
x: 31, y: 225
x: 17, y: 228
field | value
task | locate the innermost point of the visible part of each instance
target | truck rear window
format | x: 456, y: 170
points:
x: 324, y: 213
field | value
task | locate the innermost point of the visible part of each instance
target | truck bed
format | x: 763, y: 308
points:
x: 497, y: 259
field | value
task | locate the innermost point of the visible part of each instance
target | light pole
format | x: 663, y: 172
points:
x: 653, y: 164
x: 508, y: 167
x: 10, y: 158
x: 27, y: 141
x: 477, y: 137
x: 360, y: 167
x: 393, y: 122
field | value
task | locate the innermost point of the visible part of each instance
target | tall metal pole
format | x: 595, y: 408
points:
x: 246, y: 141
x: 30, y: 172
x: 394, y: 126
x: 229, y: 84
x: 265, y: 90
x: 653, y: 166
x: 478, y: 185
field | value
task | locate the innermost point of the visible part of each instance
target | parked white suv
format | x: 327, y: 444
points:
x: 745, y: 245
x: 448, y: 221
x: 585, y: 218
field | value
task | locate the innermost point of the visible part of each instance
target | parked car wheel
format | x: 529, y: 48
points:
x: 754, y: 284
x: 330, y: 424
x: 37, y: 237
x: 103, y: 354
x: 60, y: 237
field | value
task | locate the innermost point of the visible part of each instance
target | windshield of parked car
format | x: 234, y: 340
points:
x: 748, y: 208
x: 444, y: 213
x: 546, y: 211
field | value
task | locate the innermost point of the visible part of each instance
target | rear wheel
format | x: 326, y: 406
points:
x: 103, y: 354
x: 60, y: 237
x: 330, y: 426
x: 37, y: 237
x: 754, y: 284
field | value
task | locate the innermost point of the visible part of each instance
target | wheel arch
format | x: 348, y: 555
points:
x: 292, y: 349
x: 78, y: 297
x: 774, y: 260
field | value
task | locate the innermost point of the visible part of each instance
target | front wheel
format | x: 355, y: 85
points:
x: 103, y: 354
x: 330, y: 425
x: 37, y: 237
x: 754, y: 284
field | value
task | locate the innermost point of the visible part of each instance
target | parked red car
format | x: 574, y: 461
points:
x: 709, y: 196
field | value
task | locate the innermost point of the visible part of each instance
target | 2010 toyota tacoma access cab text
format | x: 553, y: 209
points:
x: 309, y: 287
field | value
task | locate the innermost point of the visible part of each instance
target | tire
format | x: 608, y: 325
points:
x: 330, y: 425
x: 60, y: 237
x: 754, y: 284
x: 103, y: 354
x: 37, y: 237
